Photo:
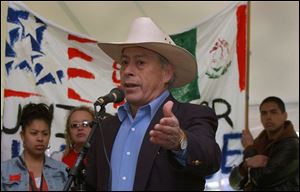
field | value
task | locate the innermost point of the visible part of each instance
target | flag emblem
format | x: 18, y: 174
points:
x: 220, y: 59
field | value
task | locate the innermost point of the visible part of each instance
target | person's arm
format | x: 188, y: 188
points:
x: 247, y: 138
x: 181, y: 156
x: 249, y: 151
x: 199, y: 124
x: 256, y: 161
x: 203, y: 153
x: 280, y: 163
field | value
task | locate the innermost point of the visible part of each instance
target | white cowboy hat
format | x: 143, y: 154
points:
x: 144, y: 33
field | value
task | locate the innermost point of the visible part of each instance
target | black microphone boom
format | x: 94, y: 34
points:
x: 115, y: 95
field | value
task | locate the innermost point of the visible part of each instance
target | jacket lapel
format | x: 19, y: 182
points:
x: 110, y: 134
x: 149, y: 151
x: 110, y: 129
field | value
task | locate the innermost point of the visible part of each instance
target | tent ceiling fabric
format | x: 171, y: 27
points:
x: 274, y: 33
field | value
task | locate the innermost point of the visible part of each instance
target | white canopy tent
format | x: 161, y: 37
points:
x: 274, y: 33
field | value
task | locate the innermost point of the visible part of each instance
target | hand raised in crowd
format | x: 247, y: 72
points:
x: 247, y: 138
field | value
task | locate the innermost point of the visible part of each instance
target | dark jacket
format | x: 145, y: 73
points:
x: 157, y: 168
x: 282, y: 170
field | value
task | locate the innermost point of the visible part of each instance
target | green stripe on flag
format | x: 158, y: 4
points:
x: 190, y: 91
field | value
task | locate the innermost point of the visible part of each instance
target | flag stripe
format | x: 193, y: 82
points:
x: 75, y: 72
x: 74, y: 53
x: 241, y: 44
x: 72, y: 94
x: 79, y: 39
x: 13, y: 93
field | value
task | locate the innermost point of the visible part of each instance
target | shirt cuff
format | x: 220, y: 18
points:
x: 181, y: 156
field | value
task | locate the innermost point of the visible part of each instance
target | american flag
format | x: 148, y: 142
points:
x: 46, y: 63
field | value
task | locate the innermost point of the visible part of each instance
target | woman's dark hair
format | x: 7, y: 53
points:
x: 38, y: 111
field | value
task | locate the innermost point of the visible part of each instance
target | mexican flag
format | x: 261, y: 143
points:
x: 47, y: 63
x: 220, y: 47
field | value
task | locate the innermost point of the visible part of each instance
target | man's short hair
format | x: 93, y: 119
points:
x: 273, y: 99
x: 164, y: 62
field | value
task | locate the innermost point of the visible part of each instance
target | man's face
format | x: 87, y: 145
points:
x: 142, y: 76
x: 271, y: 116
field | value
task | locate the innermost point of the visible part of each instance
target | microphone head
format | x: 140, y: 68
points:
x: 119, y: 95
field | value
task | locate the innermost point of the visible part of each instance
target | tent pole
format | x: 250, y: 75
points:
x: 247, y: 67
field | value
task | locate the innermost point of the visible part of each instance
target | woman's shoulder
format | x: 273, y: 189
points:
x: 10, y: 162
x: 56, y: 164
x: 11, y: 167
x: 57, y: 155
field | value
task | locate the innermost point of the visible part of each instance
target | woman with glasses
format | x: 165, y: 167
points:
x: 33, y: 170
x: 78, y: 127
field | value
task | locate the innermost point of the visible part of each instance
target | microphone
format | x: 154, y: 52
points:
x: 115, y: 95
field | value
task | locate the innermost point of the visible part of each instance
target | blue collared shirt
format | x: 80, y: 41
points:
x: 128, y: 142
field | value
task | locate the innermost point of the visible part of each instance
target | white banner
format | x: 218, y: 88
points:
x: 221, y: 57
x: 46, y: 63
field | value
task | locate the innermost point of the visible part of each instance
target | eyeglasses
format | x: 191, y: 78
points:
x: 84, y: 124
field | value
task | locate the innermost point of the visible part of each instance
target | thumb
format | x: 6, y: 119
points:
x: 167, y: 109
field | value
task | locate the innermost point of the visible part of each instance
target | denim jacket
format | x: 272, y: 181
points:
x: 15, y: 177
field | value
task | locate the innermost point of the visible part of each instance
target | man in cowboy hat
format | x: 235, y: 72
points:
x: 155, y: 142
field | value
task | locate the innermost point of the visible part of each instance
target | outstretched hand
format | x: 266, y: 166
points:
x: 167, y: 132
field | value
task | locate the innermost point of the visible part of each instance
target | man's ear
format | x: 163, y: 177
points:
x: 285, y: 115
x: 168, y: 73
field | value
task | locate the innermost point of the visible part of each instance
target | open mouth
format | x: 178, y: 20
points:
x: 130, y: 85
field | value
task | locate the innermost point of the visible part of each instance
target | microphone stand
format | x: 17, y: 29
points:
x: 78, y: 170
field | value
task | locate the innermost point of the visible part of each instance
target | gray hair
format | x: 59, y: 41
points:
x: 165, y: 62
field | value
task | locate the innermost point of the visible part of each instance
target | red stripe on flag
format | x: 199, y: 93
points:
x: 116, y: 71
x: 79, y: 39
x: 114, y: 78
x: 73, y: 52
x: 116, y: 105
x: 74, y: 72
x: 241, y: 44
x: 73, y: 95
x: 13, y: 93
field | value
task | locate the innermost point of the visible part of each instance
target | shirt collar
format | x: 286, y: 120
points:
x: 124, y: 110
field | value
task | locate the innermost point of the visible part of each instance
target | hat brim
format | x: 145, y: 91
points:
x: 184, y: 63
